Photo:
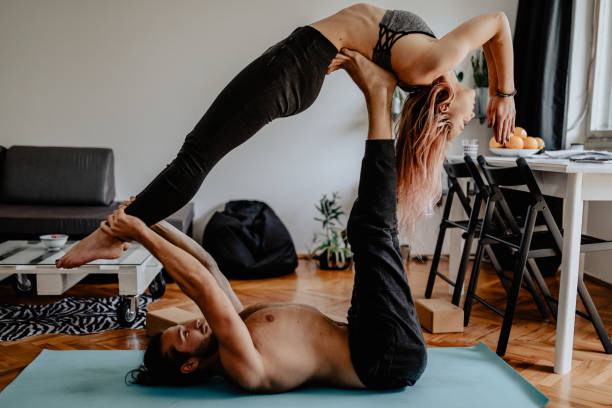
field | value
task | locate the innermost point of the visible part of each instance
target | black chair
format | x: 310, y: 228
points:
x: 470, y: 228
x: 527, y: 244
x: 498, y: 224
x: 454, y: 172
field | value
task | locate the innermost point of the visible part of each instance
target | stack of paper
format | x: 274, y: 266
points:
x: 588, y: 156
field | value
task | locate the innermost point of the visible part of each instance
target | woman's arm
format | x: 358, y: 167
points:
x: 492, y: 32
x: 497, y: 104
x: 491, y: 69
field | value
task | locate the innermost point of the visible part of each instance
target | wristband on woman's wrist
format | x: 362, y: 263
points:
x: 504, y: 95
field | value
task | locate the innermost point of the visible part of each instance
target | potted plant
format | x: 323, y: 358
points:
x: 481, y: 83
x: 396, y: 103
x: 332, y: 248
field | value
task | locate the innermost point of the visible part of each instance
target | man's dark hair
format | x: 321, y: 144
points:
x: 165, y: 369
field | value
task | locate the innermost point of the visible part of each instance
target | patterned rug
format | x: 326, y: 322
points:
x: 72, y: 315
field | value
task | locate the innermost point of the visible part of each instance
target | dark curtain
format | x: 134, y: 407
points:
x: 542, y: 40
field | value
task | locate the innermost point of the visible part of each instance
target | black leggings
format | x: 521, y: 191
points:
x: 283, y: 81
x: 385, y: 337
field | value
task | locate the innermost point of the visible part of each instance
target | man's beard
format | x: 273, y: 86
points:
x: 207, y: 348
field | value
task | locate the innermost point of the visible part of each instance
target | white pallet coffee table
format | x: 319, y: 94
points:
x: 136, y: 270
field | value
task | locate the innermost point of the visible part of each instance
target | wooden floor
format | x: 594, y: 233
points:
x: 530, y: 351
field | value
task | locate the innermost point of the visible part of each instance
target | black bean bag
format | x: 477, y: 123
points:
x: 249, y: 241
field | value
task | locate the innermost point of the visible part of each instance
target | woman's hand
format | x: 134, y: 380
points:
x: 369, y: 77
x: 500, y: 115
x: 121, y: 225
x: 127, y: 202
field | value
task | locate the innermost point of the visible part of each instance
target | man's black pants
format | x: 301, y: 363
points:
x: 385, y: 338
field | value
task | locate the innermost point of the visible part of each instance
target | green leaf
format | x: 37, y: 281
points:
x: 480, y: 69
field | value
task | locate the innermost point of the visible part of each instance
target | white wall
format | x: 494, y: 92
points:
x: 136, y: 75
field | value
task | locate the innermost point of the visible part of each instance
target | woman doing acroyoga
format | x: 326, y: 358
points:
x: 286, y: 79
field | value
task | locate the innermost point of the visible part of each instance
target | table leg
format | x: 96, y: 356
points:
x: 566, y: 315
x: 134, y: 280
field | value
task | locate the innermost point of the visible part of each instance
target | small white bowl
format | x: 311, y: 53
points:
x: 54, y: 241
x: 514, y: 152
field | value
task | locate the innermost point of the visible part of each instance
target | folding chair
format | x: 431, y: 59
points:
x: 471, y: 228
x: 527, y: 244
x: 454, y: 172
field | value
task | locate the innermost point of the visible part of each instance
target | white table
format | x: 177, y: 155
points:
x: 136, y: 269
x: 576, y: 183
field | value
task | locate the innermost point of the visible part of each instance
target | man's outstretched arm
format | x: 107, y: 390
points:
x: 177, y: 238
x: 235, y: 344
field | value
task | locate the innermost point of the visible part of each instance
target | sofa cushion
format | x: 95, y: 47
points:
x: 58, y: 176
x: 18, y: 221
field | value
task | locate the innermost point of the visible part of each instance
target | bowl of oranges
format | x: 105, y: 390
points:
x: 519, y: 144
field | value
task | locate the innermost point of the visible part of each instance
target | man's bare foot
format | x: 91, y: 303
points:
x: 97, y: 245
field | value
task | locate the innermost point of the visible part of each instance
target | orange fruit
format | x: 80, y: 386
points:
x: 520, y: 132
x: 494, y: 145
x: 541, y: 143
x: 530, y: 143
x: 515, y: 142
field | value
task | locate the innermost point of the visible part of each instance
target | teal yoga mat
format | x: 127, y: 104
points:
x: 455, y: 377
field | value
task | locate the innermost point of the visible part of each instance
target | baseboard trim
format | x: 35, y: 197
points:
x: 594, y: 279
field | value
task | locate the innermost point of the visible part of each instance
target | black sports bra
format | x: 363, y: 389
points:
x: 394, y: 25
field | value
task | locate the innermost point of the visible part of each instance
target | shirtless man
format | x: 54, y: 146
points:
x: 278, y: 347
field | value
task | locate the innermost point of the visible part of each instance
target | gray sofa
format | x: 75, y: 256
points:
x: 60, y: 190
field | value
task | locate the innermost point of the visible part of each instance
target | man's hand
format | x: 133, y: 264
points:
x: 501, y: 114
x: 121, y: 225
x: 369, y: 77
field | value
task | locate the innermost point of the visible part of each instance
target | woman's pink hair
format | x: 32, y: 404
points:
x: 423, y: 132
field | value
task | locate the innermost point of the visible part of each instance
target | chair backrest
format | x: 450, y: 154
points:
x: 501, y: 176
x: 485, y: 191
x: 520, y: 175
x: 534, y: 189
x: 528, y: 176
x: 475, y: 173
x: 454, y: 172
x: 498, y: 177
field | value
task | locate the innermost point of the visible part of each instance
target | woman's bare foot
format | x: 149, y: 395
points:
x: 97, y: 245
